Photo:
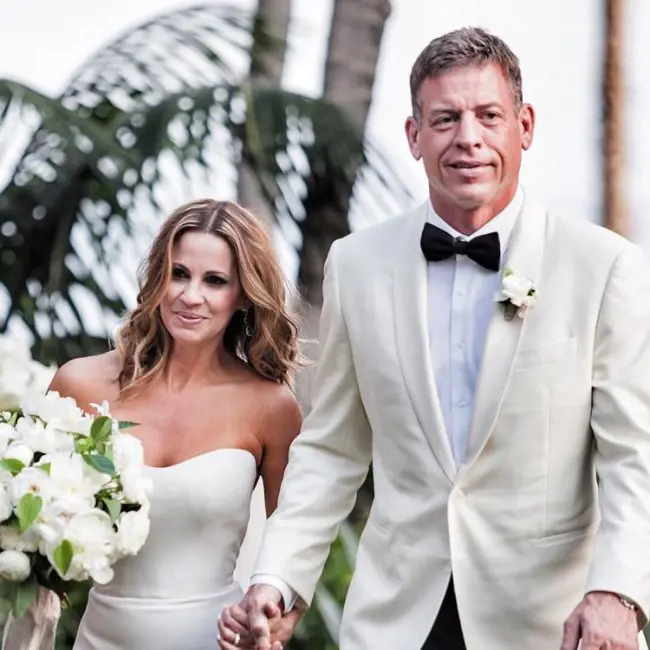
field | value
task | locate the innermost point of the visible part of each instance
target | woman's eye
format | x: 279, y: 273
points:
x: 215, y: 280
x: 179, y: 273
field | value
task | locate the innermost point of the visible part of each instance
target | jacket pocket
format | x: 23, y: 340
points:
x: 567, y: 536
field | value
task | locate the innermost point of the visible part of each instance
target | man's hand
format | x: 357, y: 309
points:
x: 234, y: 633
x: 261, y: 603
x: 601, y: 622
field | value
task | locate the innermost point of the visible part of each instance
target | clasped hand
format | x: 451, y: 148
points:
x: 257, y: 622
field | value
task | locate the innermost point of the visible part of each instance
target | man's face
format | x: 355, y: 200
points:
x: 470, y: 137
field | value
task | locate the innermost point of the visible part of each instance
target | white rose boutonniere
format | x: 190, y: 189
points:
x: 517, y: 294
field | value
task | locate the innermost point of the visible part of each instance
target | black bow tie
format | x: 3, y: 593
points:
x: 439, y: 245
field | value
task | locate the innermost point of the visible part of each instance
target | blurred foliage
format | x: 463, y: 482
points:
x: 165, y: 94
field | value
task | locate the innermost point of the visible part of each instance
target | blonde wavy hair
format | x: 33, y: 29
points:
x: 266, y: 336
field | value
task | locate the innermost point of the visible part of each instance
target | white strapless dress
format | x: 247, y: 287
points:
x: 171, y: 594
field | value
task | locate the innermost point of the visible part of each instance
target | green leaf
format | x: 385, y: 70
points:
x: 83, y: 445
x: 114, y: 508
x: 63, y: 554
x: 125, y: 424
x: 29, y: 507
x: 46, y: 467
x: 13, y: 419
x: 101, y: 428
x: 100, y: 463
x: 7, y: 589
x: 23, y: 595
x: 12, y: 465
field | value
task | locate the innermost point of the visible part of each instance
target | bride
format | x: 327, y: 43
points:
x: 202, y: 365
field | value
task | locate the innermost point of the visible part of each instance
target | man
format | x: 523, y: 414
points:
x: 509, y: 436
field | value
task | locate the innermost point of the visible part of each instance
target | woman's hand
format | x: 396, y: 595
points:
x: 233, y: 629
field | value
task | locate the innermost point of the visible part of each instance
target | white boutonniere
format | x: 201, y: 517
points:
x: 517, y: 294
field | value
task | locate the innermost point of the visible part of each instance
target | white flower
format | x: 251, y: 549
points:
x: 11, y: 539
x: 128, y: 457
x: 517, y: 291
x: 34, y: 481
x: 135, y: 485
x: 102, y: 409
x: 19, y: 451
x: 132, y: 531
x: 7, y: 434
x: 51, y: 525
x: 61, y: 412
x: 127, y: 452
x: 68, y: 475
x: 6, y: 501
x: 98, y: 567
x: 14, y: 566
x: 6, y: 505
x: 93, y: 541
x: 73, y: 484
x: 44, y: 439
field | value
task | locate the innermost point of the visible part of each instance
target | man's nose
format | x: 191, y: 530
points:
x: 469, y: 133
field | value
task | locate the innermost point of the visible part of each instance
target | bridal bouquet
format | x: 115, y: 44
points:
x: 73, y: 496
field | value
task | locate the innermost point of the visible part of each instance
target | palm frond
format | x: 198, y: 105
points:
x: 97, y: 156
x: 188, y: 48
x: 83, y: 166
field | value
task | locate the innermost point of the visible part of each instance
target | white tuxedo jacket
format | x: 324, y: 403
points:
x: 554, y: 497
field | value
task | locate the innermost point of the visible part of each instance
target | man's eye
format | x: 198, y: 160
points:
x: 447, y: 119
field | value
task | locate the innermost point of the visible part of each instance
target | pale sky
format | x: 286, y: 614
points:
x: 558, y: 41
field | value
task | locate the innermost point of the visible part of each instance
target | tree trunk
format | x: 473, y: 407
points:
x: 615, y: 208
x: 355, y: 39
x: 354, y: 44
x: 267, y: 61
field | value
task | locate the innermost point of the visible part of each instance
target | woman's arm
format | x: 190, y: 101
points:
x: 280, y: 426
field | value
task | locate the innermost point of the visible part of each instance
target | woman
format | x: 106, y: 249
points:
x: 202, y: 365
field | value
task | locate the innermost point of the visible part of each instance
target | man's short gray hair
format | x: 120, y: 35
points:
x: 460, y: 48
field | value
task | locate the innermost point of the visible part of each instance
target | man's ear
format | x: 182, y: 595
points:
x: 412, y: 130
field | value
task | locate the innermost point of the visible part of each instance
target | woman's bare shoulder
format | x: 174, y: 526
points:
x: 280, y: 412
x: 88, y: 379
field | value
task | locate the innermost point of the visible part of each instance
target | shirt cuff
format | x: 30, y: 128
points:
x: 289, y: 596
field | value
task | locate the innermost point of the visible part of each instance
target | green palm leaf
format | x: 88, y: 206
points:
x: 167, y: 90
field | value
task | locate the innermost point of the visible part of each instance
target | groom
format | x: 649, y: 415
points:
x: 510, y: 441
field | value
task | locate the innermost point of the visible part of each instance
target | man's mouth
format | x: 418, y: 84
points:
x: 467, y: 165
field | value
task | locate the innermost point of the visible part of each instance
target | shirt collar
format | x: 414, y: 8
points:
x: 503, y: 223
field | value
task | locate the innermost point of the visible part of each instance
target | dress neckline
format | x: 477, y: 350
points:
x: 213, y: 452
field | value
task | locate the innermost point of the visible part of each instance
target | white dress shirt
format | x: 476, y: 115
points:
x: 460, y: 305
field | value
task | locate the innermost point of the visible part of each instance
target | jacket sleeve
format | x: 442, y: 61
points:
x: 328, y: 461
x: 621, y: 426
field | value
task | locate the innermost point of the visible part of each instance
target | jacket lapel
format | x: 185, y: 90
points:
x: 524, y: 257
x: 411, y: 325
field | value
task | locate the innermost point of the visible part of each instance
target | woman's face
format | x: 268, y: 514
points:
x: 204, y: 289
